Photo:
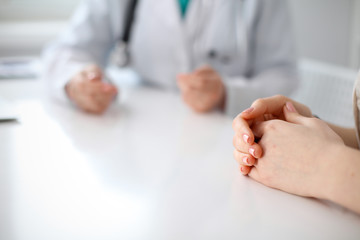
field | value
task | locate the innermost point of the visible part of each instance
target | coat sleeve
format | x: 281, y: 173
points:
x: 92, y: 33
x: 272, y: 64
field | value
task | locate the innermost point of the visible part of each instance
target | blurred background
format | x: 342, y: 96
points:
x: 325, y: 30
x: 327, y: 34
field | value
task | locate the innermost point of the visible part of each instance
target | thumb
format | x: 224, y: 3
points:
x: 183, y: 81
x: 182, y: 76
x: 94, y: 76
x: 93, y: 73
x: 292, y: 115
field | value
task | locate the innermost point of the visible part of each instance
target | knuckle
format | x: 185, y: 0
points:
x: 259, y: 101
x: 315, y: 122
x: 271, y: 125
x: 281, y: 97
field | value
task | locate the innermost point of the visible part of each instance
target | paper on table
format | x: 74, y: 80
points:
x: 19, y: 67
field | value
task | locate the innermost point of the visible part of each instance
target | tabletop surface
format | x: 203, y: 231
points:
x: 149, y: 168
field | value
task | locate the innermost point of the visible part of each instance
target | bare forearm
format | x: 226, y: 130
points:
x: 347, y: 134
x: 345, y: 178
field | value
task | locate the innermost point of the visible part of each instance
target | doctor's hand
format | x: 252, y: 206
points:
x: 203, y: 89
x: 87, y: 90
x: 261, y: 110
x: 297, y: 154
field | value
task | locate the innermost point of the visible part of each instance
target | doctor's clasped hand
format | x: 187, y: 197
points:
x: 203, y: 89
x: 89, y: 92
x: 249, y: 43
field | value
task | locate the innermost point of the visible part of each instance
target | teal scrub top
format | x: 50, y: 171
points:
x: 183, y: 6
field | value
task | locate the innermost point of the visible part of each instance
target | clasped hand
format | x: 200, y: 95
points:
x: 203, y: 89
x: 89, y: 92
x: 279, y: 144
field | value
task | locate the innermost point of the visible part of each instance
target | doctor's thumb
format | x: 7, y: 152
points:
x: 181, y: 76
x: 182, y: 80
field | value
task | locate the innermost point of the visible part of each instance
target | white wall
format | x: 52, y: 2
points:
x: 36, y: 10
x: 324, y: 30
x: 27, y: 25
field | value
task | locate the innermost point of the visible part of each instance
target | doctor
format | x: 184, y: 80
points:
x: 220, y: 54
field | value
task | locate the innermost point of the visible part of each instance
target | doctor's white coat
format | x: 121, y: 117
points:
x: 248, y: 42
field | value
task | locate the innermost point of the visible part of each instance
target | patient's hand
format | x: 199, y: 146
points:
x: 261, y: 110
x: 203, y: 89
x: 297, y: 154
x: 87, y: 90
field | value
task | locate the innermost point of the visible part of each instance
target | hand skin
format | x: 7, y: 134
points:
x: 304, y: 156
x: 265, y: 109
x: 203, y: 89
x: 261, y: 110
x: 87, y: 90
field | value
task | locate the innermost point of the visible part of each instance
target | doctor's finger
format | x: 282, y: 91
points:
x: 103, y: 99
x: 95, y: 108
x: 91, y: 105
x: 100, y: 102
x: 183, y: 86
x: 93, y: 72
x: 196, y: 100
x: 200, y: 82
x: 182, y: 82
x: 99, y: 88
x: 205, y: 69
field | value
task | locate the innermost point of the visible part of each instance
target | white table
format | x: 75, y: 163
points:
x: 149, y: 168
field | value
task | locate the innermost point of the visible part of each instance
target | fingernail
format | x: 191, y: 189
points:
x: 246, y: 138
x: 246, y: 160
x: 252, y: 151
x: 242, y: 169
x: 290, y: 107
x: 249, y: 110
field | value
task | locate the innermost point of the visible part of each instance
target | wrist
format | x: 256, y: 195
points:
x: 329, y: 177
x: 347, y: 180
x: 339, y: 180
